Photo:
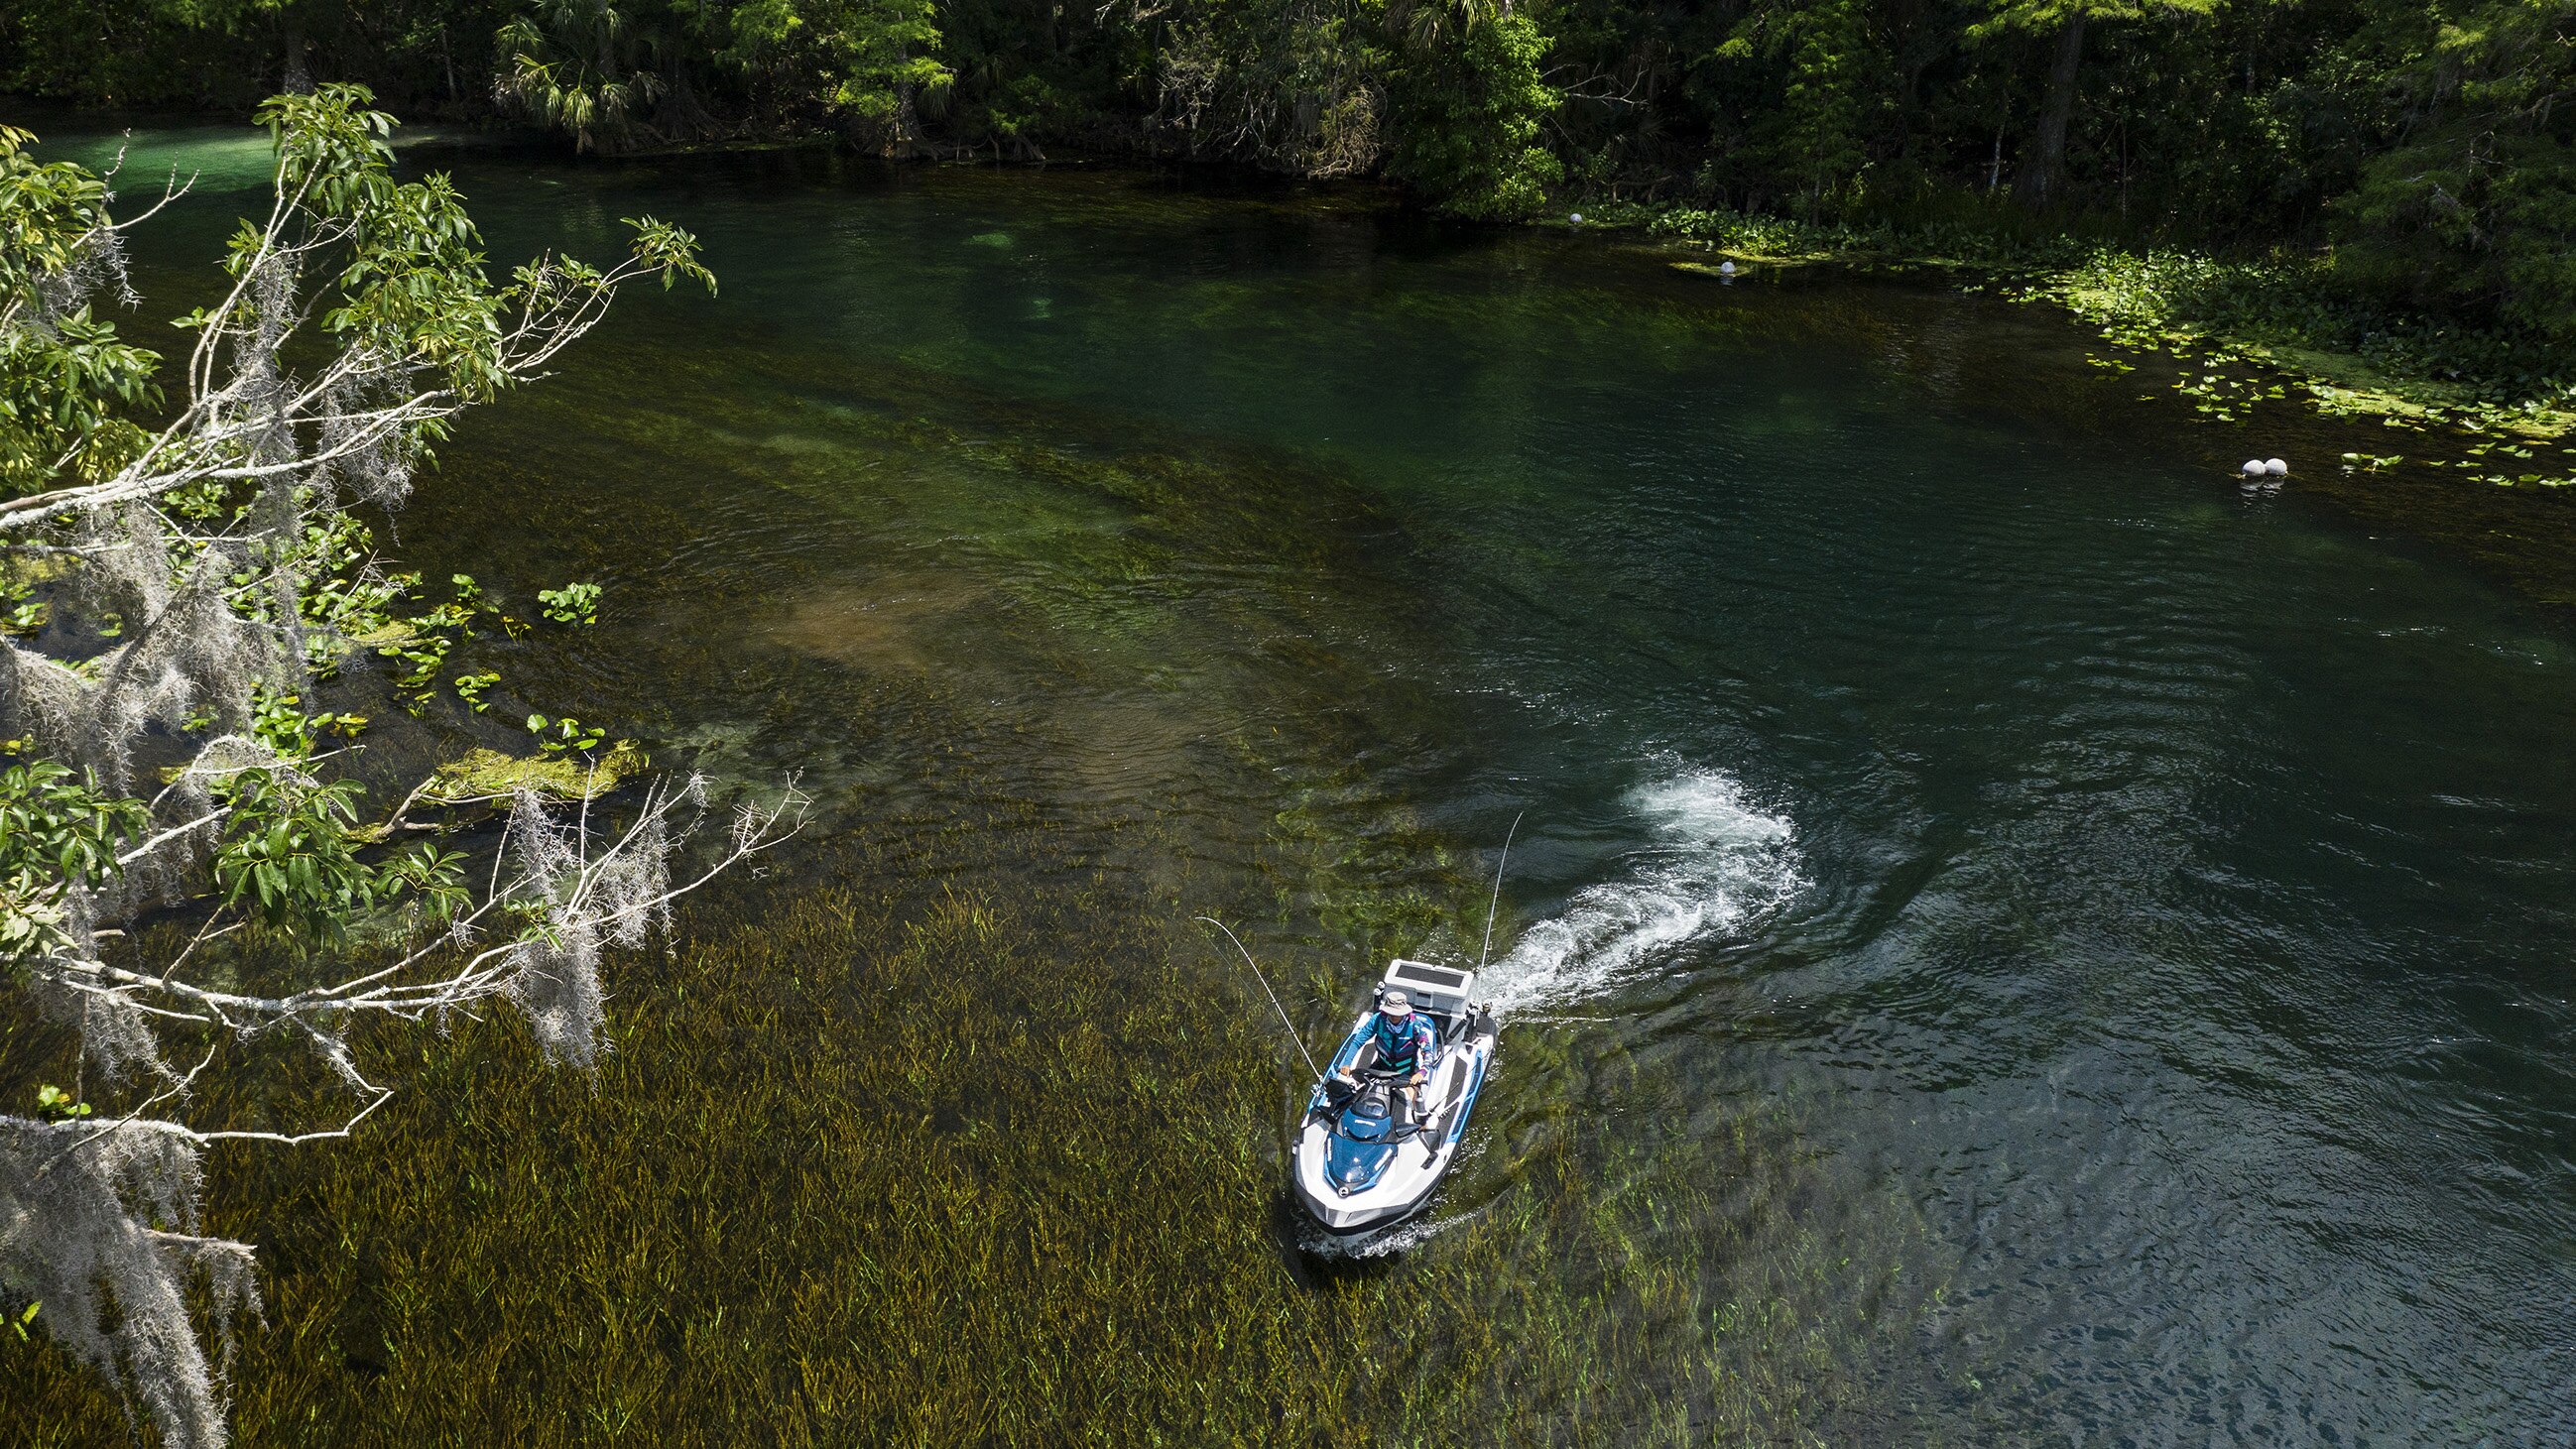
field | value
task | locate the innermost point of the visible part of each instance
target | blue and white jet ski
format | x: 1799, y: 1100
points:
x: 1362, y: 1159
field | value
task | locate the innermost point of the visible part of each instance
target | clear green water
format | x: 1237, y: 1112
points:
x: 2148, y: 903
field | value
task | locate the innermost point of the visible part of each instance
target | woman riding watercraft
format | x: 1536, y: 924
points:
x: 1401, y: 1040
x: 1383, y: 1126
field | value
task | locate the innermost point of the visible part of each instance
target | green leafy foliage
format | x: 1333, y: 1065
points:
x: 55, y: 826
x: 582, y: 67
x: 1297, y: 87
x: 571, y: 604
x: 173, y: 599
x: 279, y: 721
x: 1468, y: 112
x: 399, y: 273
x: 290, y: 857
x: 565, y: 736
x: 412, y: 281
x: 65, y: 381
x: 878, y: 57
x: 420, y: 645
x: 20, y: 612
x: 2414, y: 158
x: 2473, y: 210
x: 57, y: 831
x: 1815, y: 136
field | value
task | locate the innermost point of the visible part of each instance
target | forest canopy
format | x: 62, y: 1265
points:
x: 2419, y: 144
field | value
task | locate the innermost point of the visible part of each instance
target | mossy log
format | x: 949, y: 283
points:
x: 489, y: 774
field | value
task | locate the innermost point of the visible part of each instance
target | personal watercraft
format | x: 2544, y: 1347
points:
x: 1364, y: 1156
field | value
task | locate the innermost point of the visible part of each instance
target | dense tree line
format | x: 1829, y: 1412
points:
x: 2420, y: 139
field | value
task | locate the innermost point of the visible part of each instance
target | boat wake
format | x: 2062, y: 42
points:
x: 1716, y: 865
x: 1410, y: 1233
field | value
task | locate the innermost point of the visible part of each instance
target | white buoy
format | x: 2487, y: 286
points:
x: 2275, y: 467
x: 2253, y: 467
x: 1578, y: 217
x: 1726, y: 269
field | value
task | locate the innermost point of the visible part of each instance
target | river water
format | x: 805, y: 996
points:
x: 2148, y: 899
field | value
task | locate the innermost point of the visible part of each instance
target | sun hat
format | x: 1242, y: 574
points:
x: 1395, y: 1003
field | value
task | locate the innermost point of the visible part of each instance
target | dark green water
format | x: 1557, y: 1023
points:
x: 2149, y: 900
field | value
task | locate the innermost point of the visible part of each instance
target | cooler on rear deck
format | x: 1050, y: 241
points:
x: 1439, y: 990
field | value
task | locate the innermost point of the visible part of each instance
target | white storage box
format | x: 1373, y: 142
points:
x: 1440, y: 990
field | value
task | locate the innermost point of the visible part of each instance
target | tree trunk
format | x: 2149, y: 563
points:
x: 297, y: 78
x: 689, y: 121
x: 2048, y: 148
x: 904, y: 142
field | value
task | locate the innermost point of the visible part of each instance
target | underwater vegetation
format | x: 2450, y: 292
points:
x: 959, y: 1164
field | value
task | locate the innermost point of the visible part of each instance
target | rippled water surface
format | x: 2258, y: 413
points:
x: 2154, y: 900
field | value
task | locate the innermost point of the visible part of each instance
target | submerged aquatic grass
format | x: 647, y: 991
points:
x: 974, y: 1164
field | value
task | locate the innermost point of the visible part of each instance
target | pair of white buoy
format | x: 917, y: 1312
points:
x: 2265, y: 468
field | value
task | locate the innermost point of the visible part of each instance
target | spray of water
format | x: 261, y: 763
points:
x: 1384, y: 1242
x: 1715, y: 865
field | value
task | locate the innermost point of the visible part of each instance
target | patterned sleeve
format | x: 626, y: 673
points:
x: 1426, y: 1042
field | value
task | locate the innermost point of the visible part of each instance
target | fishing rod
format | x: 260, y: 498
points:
x: 1496, y: 903
x: 1273, y: 995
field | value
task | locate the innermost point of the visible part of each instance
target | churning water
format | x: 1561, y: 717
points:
x: 1713, y: 866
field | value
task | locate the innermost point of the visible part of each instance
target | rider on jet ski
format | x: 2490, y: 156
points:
x: 1405, y: 1041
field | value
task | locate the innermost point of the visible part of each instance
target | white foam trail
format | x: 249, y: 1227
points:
x: 1412, y: 1232
x: 1716, y: 865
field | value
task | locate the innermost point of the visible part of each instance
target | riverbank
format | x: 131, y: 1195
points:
x: 2247, y: 329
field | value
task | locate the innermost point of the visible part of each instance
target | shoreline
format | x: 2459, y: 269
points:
x: 2166, y: 304
x: 2149, y: 312
x: 2138, y: 300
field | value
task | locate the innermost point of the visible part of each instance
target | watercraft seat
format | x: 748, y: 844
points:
x: 1396, y: 1101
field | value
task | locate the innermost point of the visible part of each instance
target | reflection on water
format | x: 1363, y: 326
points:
x: 2146, y: 904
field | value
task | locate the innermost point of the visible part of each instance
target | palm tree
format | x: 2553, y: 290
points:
x: 1424, y: 24
x: 578, y: 66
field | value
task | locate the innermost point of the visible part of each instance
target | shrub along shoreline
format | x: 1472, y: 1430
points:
x: 2245, y: 329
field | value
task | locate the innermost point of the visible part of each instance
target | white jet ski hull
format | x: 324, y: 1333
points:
x: 1351, y: 1186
